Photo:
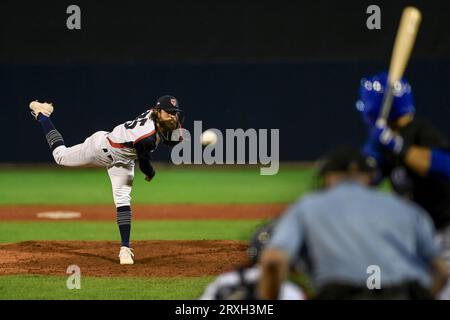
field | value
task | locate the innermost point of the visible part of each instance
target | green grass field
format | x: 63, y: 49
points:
x: 44, y: 287
x: 64, y: 186
x: 171, y: 185
x: 142, y: 230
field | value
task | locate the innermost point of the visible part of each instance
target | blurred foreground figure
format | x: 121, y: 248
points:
x: 241, y: 283
x: 410, y: 152
x: 361, y: 243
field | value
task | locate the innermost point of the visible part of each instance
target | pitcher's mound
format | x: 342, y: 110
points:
x: 100, y: 258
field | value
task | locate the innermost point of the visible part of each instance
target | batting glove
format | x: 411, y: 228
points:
x: 387, y: 138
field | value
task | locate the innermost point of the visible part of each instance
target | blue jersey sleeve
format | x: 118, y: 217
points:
x: 440, y: 164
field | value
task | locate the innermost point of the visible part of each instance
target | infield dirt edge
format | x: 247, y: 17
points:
x: 147, y: 212
x: 153, y: 258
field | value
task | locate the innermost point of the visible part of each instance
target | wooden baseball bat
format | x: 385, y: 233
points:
x: 404, y: 42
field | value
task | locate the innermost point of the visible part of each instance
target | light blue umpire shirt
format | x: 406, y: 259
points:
x: 350, y: 227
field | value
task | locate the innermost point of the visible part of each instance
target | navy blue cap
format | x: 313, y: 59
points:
x: 168, y: 103
x: 345, y: 159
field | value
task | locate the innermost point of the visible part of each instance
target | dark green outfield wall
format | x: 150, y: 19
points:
x: 293, y: 66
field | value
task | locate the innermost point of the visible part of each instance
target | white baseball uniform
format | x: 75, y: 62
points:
x: 115, y: 150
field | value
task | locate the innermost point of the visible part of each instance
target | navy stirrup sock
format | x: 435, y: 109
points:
x: 124, y: 223
x: 54, y: 138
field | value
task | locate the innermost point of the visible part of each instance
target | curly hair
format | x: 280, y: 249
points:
x: 153, y: 116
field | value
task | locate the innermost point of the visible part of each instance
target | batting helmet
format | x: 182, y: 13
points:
x: 371, y: 92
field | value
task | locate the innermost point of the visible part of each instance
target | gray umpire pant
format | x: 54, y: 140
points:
x: 443, y: 237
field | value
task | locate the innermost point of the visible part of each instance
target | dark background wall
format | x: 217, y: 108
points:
x: 294, y: 66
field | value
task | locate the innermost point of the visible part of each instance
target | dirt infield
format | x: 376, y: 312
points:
x: 148, y: 212
x: 99, y: 258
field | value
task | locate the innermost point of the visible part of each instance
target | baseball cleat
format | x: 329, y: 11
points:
x: 126, y: 255
x: 41, y: 107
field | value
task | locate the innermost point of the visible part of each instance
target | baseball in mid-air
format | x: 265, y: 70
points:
x: 208, y: 137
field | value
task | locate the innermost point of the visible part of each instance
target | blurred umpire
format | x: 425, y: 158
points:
x: 411, y: 153
x: 349, y: 228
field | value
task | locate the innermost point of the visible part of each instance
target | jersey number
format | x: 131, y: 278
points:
x: 142, y: 119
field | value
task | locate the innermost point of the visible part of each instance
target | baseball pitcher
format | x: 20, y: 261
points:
x: 117, y: 151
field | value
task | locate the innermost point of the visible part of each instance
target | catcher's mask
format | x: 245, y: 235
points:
x: 259, y: 240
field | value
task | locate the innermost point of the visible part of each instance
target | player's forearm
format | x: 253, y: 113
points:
x: 418, y: 159
x: 274, y: 266
x: 440, y: 275
x: 146, y: 168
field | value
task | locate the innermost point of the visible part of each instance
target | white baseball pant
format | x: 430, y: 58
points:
x: 93, y: 151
